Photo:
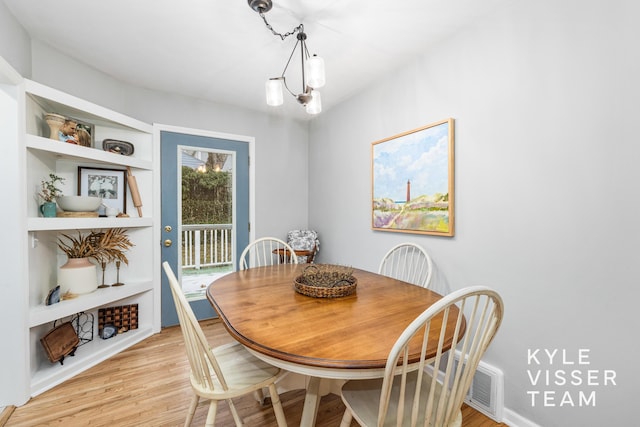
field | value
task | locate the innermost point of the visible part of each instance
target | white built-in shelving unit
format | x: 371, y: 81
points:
x: 38, y: 155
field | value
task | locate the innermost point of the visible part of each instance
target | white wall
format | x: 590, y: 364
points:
x: 281, y: 144
x: 545, y: 98
x: 14, y: 42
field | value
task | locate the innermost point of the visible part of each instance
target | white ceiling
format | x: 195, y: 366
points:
x: 220, y: 50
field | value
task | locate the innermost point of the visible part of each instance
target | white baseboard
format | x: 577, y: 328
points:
x: 513, y: 419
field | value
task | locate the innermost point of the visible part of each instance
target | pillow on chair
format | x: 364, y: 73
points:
x: 304, y: 240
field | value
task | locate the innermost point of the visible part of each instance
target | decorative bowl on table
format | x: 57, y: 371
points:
x: 79, y: 203
x: 326, y: 281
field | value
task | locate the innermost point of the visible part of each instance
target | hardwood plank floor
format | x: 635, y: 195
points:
x: 148, y: 385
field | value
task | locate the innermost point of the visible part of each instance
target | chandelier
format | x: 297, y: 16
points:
x: 312, y: 67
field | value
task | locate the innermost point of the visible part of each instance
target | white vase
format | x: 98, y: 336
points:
x: 55, y: 122
x: 78, y: 276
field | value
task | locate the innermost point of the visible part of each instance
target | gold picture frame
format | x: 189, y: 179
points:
x: 412, y: 181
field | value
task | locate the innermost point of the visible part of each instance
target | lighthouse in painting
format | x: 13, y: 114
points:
x: 408, y: 190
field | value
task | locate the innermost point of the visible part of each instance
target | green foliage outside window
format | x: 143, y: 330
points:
x: 206, y: 197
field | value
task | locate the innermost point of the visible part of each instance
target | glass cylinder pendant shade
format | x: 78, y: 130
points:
x: 315, y: 71
x: 315, y: 105
x: 274, y: 91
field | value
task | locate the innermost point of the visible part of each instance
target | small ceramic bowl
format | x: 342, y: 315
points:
x: 79, y: 203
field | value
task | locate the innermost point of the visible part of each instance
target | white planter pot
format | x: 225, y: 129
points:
x: 78, y: 276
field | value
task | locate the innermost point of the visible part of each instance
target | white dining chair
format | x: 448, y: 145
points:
x: 432, y: 388
x: 408, y: 262
x: 224, y: 372
x: 267, y: 251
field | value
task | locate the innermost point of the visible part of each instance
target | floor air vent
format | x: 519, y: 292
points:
x: 486, y: 393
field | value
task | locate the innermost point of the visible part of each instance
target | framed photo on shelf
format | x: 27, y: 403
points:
x: 70, y: 130
x: 412, y: 181
x: 84, y: 133
x: 108, y: 184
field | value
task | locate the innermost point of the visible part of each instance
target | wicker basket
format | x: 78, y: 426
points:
x: 326, y: 281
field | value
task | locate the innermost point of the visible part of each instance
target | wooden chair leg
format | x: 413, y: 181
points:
x: 277, y: 406
x: 211, y: 415
x: 192, y: 410
x: 346, y: 418
x: 234, y: 413
x: 312, y: 256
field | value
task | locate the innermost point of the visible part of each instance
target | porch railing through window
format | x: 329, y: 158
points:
x: 206, y: 245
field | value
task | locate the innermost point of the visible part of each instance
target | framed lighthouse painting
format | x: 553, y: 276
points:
x: 412, y: 181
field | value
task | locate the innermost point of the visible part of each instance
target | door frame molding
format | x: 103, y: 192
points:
x: 157, y: 128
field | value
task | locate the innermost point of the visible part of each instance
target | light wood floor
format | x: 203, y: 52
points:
x: 148, y: 385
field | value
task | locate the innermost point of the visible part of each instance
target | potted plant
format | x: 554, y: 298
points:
x: 78, y: 275
x: 48, y: 192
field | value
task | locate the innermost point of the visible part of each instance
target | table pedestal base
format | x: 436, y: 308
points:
x: 315, y: 389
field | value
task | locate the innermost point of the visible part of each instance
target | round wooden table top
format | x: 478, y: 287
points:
x: 261, y: 309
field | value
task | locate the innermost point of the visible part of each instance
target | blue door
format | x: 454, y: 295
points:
x: 205, y: 214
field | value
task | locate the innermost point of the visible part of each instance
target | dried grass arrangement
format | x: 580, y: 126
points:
x: 103, y: 246
x: 326, y: 281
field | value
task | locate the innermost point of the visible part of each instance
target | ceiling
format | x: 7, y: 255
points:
x: 221, y: 50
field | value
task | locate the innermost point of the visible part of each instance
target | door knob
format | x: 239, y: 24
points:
x: 167, y: 243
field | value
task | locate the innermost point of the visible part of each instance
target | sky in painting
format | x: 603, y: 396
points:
x: 420, y: 157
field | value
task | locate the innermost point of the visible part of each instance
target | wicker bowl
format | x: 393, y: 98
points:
x: 326, y: 281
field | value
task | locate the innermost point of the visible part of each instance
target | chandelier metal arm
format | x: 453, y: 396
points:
x: 303, y: 97
x: 282, y: 76
x: 304, y: 53
x: 301, y: 39
x: 289, y: 60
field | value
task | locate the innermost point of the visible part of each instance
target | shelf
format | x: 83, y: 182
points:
x: 79, y: 153
x: 53, y: 100
x: 63, y: 224
x: 86, y: 356
x: 48, y: 313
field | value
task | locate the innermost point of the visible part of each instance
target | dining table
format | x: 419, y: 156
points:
x: 342, y: 338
